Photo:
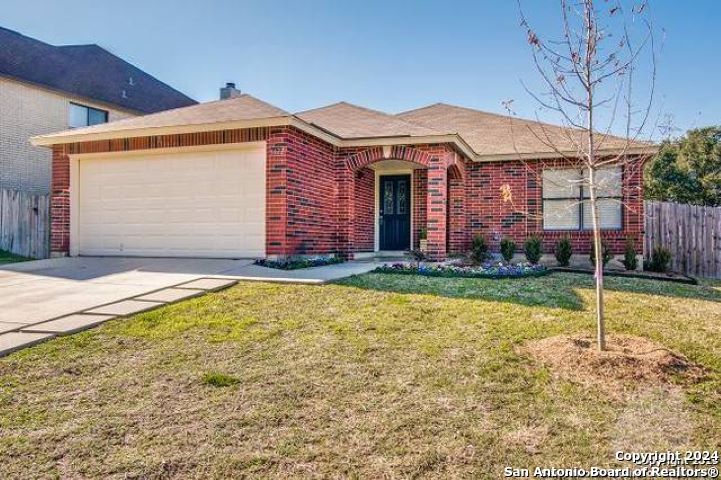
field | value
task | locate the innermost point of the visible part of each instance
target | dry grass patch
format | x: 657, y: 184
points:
x: 627, y: 364
x: 378, y: 376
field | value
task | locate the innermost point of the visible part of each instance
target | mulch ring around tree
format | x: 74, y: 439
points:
x: 627, y: 364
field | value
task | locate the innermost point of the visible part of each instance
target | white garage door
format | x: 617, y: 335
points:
x: 190, y: 204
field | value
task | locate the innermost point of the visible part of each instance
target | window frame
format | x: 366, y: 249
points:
x: 88, y: 109
x: 580, y: 198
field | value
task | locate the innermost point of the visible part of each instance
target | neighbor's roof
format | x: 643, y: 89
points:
x: 87, y: 71
x: 504, y: 135
x: 479, y: 135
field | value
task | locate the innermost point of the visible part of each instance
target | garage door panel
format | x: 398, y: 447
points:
x: 183, y: 204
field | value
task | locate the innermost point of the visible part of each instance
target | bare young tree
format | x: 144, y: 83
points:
x: 589, y: 73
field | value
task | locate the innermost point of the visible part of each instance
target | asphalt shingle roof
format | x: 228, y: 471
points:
x: 87, y: 71
x: 488, y: 135
x: 243, y: 107
x: 494, y: 134
x: 347, y: 121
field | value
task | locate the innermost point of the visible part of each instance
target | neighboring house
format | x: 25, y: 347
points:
x: 46, y: 88
x: 243, y: 178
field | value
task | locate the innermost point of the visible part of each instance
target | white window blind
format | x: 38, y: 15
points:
x: 566, y: 204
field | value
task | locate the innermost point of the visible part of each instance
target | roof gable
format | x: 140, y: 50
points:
x: 87, y: 71
x: 495, y: 134
x: 346, y: 120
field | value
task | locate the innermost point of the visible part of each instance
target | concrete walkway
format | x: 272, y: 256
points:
x: 44, y: 298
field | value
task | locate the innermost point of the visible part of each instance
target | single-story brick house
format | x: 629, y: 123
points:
x: 242, y: 178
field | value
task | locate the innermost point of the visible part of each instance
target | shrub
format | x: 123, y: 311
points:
x: 508, y: 249
x: 492, y: 270
x: 416, y: 255
x: 606, y: 254
x: 423, y: 234
x: 629, y: 255
x: 532, y: 249
x: 660, y: 258
x: 563, y: 251
x: 216, y: 379
x: 297, y: 263
x: 479, y: 249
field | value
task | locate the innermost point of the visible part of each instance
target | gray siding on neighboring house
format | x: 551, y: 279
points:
x: 26, y: 111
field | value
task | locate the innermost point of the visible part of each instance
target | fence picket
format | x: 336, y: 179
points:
x: 24, y: 223
x: 691, y: 233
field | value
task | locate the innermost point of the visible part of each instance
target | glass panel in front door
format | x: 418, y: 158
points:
x: 388, y: 198
x: 401, y: 199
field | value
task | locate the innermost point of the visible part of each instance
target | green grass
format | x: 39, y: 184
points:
x: 7, y: 257
x: 378, y: 376
x: 217, y: 379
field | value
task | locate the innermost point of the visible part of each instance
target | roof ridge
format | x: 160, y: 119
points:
x: 78, y: 45
x: 319, y: 108
x: 407, y: 122
x: 370, y: 110
x: 403, y: 112
x: 343, y: 102
x: 493, y: 114
x: 15, y: 32
x: 248, y: 95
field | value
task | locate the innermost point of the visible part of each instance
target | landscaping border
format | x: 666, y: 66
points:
x: 430, y: 272
x: 299, y: 263
x: 680, y: 278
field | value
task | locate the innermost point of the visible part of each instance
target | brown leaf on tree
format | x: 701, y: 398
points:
x: 506, y: 193
x: 533, y: 39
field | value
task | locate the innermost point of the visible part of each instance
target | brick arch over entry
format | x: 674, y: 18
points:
x: 456, y: 172
x: 395, y: 152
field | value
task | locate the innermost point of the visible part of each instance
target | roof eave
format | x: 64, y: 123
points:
x: 288, y: 120
x: 67, y: 137
x: 292, y: 120
x: 642, y: 151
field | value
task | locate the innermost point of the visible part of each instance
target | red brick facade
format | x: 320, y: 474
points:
x: 364, y: 208
x: 321, y: 198
x: 522, y: 217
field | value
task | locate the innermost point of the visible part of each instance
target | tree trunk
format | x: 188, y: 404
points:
x: 598, y: 250
x: 591, y: 159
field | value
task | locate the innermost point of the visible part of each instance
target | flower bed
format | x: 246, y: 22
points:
x: 488, y: 270
x: 296, y: 263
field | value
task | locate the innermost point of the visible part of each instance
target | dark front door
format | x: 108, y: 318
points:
x: 395, y: 212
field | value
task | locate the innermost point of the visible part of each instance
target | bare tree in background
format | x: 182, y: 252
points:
x: 590, y: 68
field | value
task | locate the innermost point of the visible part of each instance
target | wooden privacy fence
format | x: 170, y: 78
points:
x: 691, y: 233
x: 24, y: 223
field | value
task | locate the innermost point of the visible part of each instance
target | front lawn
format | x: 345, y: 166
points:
x: 378, y: 376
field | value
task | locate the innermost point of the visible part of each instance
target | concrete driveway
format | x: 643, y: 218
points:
x: 33, y: 292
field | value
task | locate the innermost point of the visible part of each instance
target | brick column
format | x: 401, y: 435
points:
x: 276, y: 242
x: 60, y: 203
x: 437, y: 207
x: 459, y: 240
x: 420, y: 195
x: 346, y: 207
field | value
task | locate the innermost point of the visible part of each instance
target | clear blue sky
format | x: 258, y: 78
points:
x: 388, y: 55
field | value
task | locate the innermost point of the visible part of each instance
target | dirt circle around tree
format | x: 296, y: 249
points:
x: 627, y: 364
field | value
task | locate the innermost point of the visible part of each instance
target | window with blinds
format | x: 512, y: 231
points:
x: 566, y: 204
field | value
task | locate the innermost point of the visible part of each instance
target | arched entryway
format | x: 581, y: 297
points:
x: 392, y: 196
